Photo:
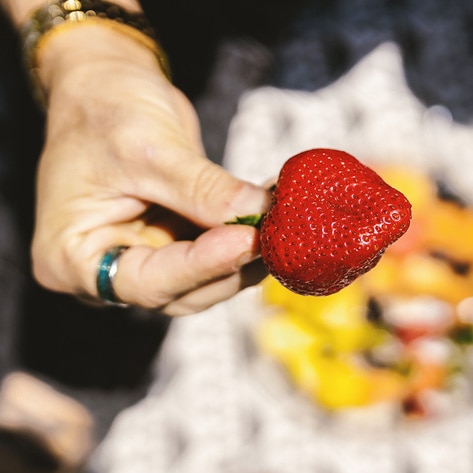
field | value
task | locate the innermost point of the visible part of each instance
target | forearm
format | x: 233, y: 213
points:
x: 19, y: 10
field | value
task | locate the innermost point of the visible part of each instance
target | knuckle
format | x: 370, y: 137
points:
x: 213, y: 188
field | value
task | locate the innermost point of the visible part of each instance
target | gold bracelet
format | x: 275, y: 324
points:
x: 58, y: 14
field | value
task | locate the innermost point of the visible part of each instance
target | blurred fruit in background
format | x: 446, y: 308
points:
x: 400, y: 333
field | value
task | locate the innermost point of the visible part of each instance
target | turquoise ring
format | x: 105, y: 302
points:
x: 106, y: 272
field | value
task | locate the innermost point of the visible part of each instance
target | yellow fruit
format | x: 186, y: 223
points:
x: 303, y: 371
x: 341, y: 316
x: 419, y: 190
x: 344, y: 382
x: 344, y: 316
x: 285, y: 335
x: 341, y: 384
x: 274, y: 293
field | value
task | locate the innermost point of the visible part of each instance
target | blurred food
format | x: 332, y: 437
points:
x: 401, y: 332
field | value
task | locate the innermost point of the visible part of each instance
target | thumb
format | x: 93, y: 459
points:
x: 208, y: 195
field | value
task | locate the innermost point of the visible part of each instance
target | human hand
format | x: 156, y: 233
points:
x: 123, y: 164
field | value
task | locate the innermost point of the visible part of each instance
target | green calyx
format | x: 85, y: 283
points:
x: 252, y: 220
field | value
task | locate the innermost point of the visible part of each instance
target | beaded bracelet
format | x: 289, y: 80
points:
x: 57, y: 14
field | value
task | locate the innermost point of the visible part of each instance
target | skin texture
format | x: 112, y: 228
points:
x: 123, y: 163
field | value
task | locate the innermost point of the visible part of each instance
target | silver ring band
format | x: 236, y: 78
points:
x: 106, y: 272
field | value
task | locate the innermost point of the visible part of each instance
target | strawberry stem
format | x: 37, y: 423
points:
x: 252, y: 220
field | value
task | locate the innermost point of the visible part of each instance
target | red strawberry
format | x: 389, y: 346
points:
x: 330, y: 220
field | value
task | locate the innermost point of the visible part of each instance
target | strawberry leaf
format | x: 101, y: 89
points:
x: 252, y: 220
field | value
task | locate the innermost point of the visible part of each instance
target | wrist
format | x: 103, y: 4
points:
x: 104, y: 56
x: 20, y: 10
x: 54, y: 23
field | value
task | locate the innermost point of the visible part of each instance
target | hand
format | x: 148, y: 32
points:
x: 123, y: 164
